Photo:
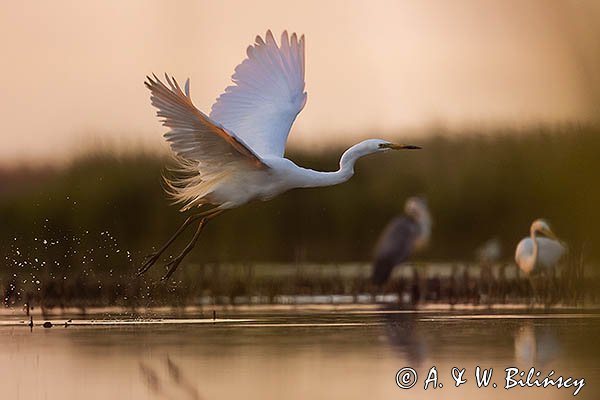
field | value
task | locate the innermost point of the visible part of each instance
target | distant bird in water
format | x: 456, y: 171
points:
x: 539, y: 254
x: 487, y: 255
x: 403, y: 236
x: 235, y: 154
x: 489, y: 252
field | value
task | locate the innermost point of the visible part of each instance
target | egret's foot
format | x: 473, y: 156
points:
x: 151, y: 259
x: 173, y: 265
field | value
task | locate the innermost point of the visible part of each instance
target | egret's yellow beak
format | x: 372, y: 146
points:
x: 550, y: 234
x: 395, y: 146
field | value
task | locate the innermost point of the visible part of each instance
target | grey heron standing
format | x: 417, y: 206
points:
x: 403, y: 236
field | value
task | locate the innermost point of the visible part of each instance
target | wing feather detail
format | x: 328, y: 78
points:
x: 267, y: 95
x: 192, y: 134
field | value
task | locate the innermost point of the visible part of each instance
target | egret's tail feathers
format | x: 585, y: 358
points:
x: 184, y: 183
x: 178, y: 177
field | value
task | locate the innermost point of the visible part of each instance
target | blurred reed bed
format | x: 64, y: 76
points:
x: 79, y: 233
x: 206, y: 285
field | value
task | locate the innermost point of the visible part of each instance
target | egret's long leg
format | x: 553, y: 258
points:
x: 152, y: 258
x: 174, y: 263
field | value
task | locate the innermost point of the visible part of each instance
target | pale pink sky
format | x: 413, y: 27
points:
x: 72, y: 71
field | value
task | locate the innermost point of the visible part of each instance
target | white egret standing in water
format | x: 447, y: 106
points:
x: 401, y: 238
x: 539, y: 254
x: 235, y: 155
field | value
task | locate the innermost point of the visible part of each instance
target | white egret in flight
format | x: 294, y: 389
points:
x: 403, y: 236
x: 235, y: 154
x: 539, y: 254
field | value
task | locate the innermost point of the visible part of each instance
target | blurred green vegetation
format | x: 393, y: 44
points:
x: 100, y: 215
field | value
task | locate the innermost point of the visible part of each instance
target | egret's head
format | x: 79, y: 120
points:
x: 377, y: 145
x: 541, y: 226
x: 371, y: 146
x: 384, y: 145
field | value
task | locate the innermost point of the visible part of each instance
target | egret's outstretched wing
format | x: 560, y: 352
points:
x: 192, y: 134
x: 267, y: 96
x: 394, y: 247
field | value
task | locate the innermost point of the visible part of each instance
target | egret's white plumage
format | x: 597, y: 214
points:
x: 536, y: 253
x: 267, y: 96
x: 235, y: 155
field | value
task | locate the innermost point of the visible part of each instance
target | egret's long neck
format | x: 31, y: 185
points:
x: 536, y: 248
x: 347, y: 161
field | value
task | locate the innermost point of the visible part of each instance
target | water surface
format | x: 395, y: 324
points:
x: 321, y: 353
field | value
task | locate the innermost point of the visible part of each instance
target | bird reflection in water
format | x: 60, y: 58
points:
x: 536, y: 345
x: 403, y: 335
x: 175, y: 385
